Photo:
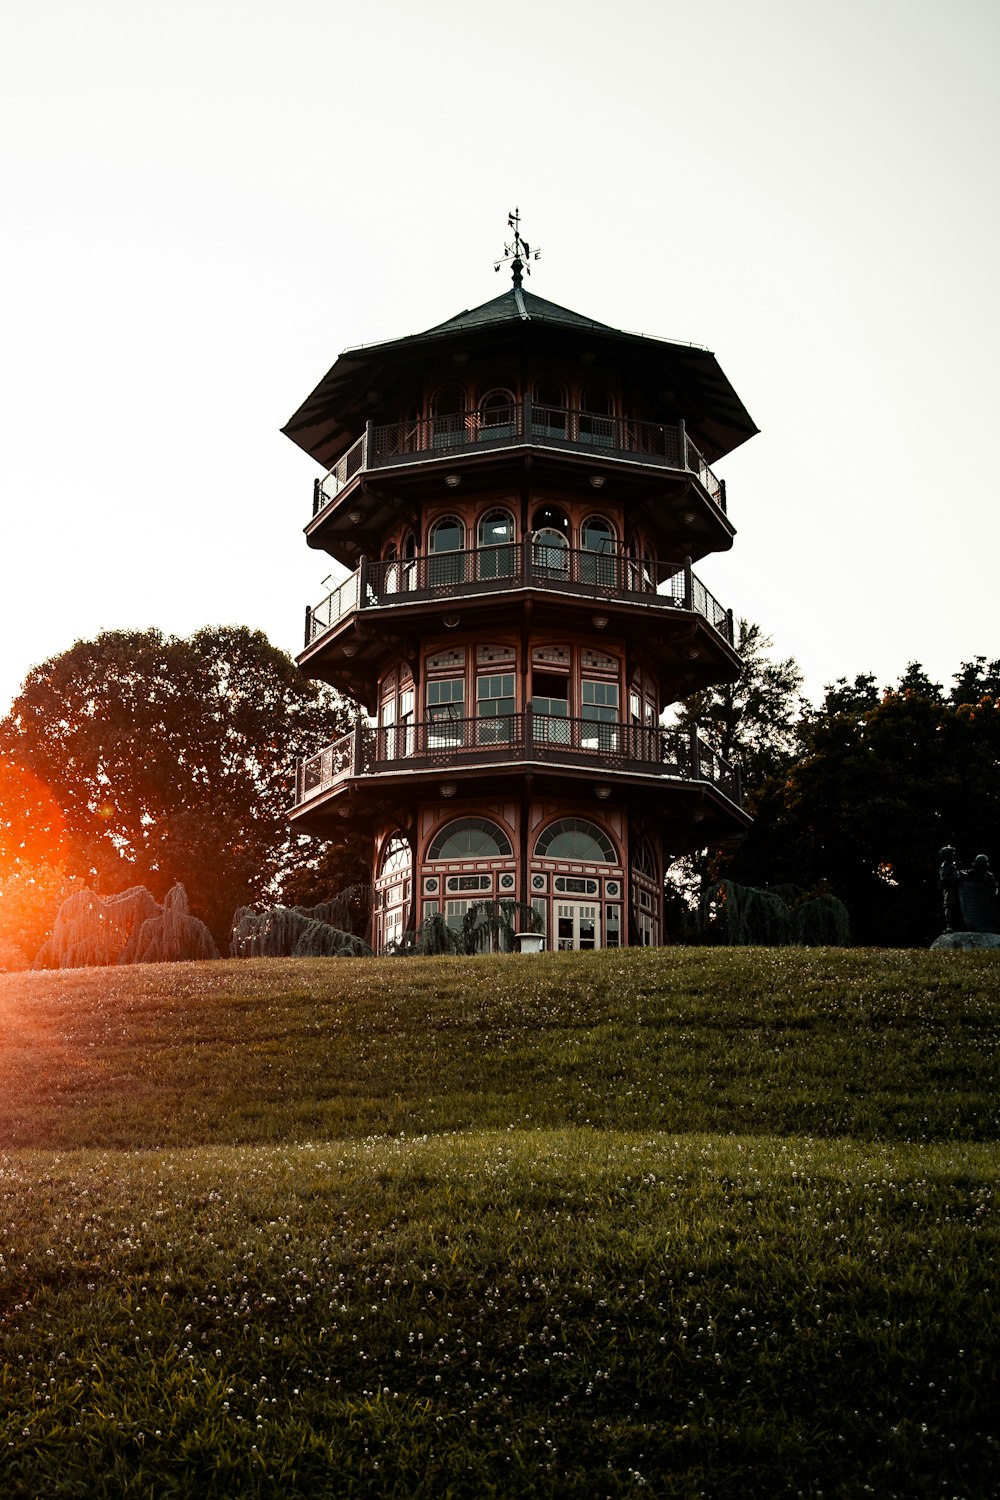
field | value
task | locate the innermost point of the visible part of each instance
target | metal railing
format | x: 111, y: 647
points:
x: 535, y: 564
x: 447, y: 743
x: 661, y: 444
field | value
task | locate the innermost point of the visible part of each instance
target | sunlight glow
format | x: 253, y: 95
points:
x: 32, y: 826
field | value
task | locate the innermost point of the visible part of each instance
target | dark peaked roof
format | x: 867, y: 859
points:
x: 334, y: 415
x: 516, y: 306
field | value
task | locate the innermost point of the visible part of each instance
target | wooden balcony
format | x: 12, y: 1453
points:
x: 516, y: 742
x: 593, y: 577
x: 655, y: 445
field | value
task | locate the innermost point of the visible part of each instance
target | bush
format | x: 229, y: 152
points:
x: 131, y: 927
x: 743, y: 914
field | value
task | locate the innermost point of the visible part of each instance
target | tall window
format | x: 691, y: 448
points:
x: 495, y: 708
x: 448, y: 417
x: 445, y: 712
x: 646, y: 894
x: 598, y: 539
x: 550, y: 548
x: 596, y: 422
x: 447, y: 560
x: 405, y: 735
x: 409, y: 563
x: 599, y: 710
x: 390, y: 569
x: 497, y: 556
x: 548, y: 410
x: 497, y: 414
x: 392, y: 891
x: 550, y: 707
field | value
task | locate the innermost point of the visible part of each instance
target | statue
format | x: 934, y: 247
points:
x: 971, y: 913
x: 978, y: 896
x: 949, y: 883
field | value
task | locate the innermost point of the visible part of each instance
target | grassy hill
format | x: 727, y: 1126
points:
x: 681, y: 1221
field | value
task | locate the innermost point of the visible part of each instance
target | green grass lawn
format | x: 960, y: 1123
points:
x: 681, y: 1222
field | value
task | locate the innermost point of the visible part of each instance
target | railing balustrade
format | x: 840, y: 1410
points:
x: 658, y: 443
x: 443, y: 743
x: 527, y: 564
x: 315, y: 773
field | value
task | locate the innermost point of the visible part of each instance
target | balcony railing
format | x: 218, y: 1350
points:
x: 445, y: 744
x: 659, y: 444
x: 600, y: 576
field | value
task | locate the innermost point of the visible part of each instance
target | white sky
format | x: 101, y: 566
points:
x: 205, y: 202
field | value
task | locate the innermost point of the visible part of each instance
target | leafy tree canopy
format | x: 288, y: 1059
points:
x: 881, y: 783
x: 167, y: 760
x: 751, y: 722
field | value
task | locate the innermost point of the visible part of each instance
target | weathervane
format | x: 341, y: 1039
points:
x: 519, y: 253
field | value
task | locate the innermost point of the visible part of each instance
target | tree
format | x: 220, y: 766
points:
x: 30, y: 897
x: 752, y: 721
x: 975, y: 680
x: 33, y: 877
x: 882, y: 782
x: 169, y: 759
x: 753, y: 724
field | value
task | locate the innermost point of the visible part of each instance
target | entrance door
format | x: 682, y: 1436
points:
x: 578, y: 926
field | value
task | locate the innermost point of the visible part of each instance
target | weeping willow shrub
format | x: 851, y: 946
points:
x: 822, y: 921
x: 431, y: 938
x: 738, y: 915
x: 131, y: 927
x: 322, y: 931
x: 91, y: 930
x: 321, y: 940
x: 170, y: 936
x: 487, y: 927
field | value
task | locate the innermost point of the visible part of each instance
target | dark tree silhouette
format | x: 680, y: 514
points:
x: 169, y: 761
x: 882, y: 782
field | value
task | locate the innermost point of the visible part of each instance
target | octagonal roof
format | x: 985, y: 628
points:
x: 350, y: 393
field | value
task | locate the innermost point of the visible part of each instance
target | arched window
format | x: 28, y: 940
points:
x: 596, y: 420
x: 576, y: 838
x: 389, y: 569
x: 550, y: 553
x: 392, y: 890
x: 395, y: 856
x: 641, y: 574
x: 550, y: 549
x: 448, y: 417
x: 497, y: 556
x: 596, y: 399
x: 409, y: 564
x: 470, y: 838
x: 548, y: 410
x: 642, y: 860
x: 646, y: 893
x: 497, y: 414
x: 449, y: 401
x: 597, y: 536
x: 445, y: 542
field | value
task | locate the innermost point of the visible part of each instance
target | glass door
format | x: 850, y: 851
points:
x: 578, y: 926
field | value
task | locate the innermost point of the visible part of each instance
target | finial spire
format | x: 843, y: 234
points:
x: 519, y: 253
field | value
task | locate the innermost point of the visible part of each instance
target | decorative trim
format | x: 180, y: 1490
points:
x: 445, y: 661
x: 556, y: 656
x: 597, y: 661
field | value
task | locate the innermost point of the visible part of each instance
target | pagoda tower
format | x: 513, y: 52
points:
x: 519, y: 496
